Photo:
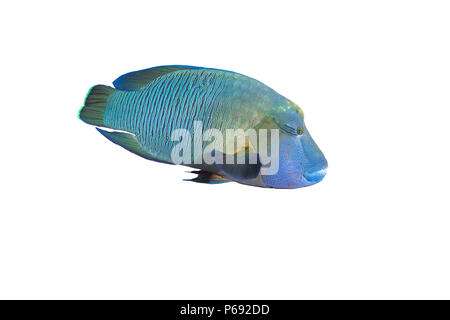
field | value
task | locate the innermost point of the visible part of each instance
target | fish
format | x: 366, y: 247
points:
x: 225, y: 125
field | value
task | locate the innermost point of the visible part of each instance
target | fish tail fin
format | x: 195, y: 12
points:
x: 95, y: 104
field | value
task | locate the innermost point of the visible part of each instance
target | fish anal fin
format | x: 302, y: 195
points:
x: 129, y: 142
x: 207, y: 177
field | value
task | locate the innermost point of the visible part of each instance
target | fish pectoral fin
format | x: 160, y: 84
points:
x: 207, y: 177
x: 129, y: 142
x: 138, y: 80
x: 241, y: 166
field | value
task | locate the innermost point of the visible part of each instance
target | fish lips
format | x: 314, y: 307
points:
x: 315, y: 176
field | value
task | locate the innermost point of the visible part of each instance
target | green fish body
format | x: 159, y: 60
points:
x: 146, y: 107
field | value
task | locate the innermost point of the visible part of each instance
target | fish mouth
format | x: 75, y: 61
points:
x: 315, y: 176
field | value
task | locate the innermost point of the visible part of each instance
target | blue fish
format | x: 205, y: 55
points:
x: 176, y: 112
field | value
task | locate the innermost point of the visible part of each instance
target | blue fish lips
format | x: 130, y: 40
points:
x: 316, y: 173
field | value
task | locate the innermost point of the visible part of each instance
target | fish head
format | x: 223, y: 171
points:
x: 300, y: 161
x: 286, y: 158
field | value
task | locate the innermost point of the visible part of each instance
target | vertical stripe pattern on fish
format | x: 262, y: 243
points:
x: 145, y: 108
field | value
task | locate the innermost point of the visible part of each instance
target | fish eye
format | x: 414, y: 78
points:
x: 299, y: 131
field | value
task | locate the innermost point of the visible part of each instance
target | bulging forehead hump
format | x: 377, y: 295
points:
x: 289, y: 113
x: 295, y: 108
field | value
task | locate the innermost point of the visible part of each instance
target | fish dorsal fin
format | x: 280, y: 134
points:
x: 138, y: 80
x: 129, y: 142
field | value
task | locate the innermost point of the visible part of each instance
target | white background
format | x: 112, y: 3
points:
x: 82, y: 218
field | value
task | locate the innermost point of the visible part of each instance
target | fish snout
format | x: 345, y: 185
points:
x: 317, y: 172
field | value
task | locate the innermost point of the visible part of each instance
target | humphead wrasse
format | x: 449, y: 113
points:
x: 228, y: 126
